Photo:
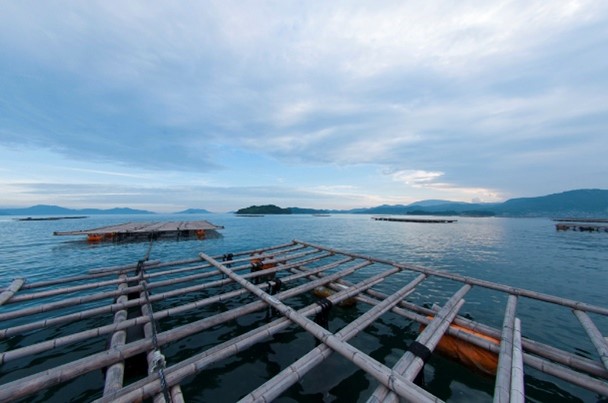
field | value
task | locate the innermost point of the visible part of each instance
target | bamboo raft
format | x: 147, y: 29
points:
x: 581, y: 227
x: 418, y: 220
x: 177, y: 300
x: 147, y: 230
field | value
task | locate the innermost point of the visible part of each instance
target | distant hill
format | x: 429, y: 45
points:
x: 266, y: 209
x: 194, y: 211
x: 574, y: 203
x: 43, y: 209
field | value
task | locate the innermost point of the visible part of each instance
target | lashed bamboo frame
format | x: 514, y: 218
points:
x: 287, y: 257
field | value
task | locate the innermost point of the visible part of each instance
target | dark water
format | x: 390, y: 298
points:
x: 526, y: 253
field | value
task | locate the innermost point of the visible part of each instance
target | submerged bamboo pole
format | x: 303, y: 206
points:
x: 11, y: 290
x: 115, y: 373
x: 502, y: 387
x: 474, y: 281
x: 286, y: 378
x: 595, y: 335
x: 517, y: 370
x: 409, y: 365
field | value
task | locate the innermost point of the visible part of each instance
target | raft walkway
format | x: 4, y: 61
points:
x: 181, y: 290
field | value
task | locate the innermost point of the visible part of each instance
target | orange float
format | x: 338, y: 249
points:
x: 468, y: 354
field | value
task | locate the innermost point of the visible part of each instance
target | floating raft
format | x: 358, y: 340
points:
x: 582, y: 226
x: 177, y: 302
x: 419, y: 220
x: 147, y: 230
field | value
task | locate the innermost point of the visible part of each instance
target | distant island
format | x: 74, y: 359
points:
x: 574, y: 203
x: 266, y: 209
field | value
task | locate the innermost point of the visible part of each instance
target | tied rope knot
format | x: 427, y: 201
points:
x: 158, y: 361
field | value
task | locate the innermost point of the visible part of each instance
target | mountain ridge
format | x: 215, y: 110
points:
x: 572, y: 203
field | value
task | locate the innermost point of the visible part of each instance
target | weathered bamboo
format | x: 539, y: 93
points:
x: 102, y: 330
x: 11, y: 290
x: 117, y: 270
x: 146, y: 387
x: 109, y: 357
x: 546, y: 351
x: 517, y: 370
x: 82, y: 287
x: 136, y: 302
x: 115, y: 373
x: 409, y: 365
x: 110, y: 294
x: 71, y: 370
x: 386, y: 376
x: 286, y: 378
x: 595, y: 335
x: 474, y: 281
x: 502, y: 387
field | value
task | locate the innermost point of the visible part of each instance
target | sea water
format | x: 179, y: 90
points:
x: 527, y: 253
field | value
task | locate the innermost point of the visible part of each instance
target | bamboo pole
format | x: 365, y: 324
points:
x: 389, y: 378
x: 546, y: 351
x: 115, y: 373
x: 114, y: 293
x: 62, y: 373
x: 44, y: 323
x: 11, y: 290
x: 176, y: 373
x: 517, y: 370
x: 82, y: 287
x: 51, y: 344
x: 409, y: 365
x: 473, y: 281
x: 502, y: 386
x: 64, y: 280
x: 595, y: 335
x: 286, y: 378
x: 73, y: 338
x: 543, y: 365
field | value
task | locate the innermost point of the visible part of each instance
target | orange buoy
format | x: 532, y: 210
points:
x: 94, y: 237
x: 468, y: 354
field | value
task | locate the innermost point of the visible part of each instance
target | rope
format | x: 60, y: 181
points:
x: 158, y: 360
x: 322, y: 318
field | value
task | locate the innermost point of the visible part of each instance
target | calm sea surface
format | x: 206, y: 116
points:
x: 525, y: 253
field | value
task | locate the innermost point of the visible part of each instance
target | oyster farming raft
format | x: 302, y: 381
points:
x: 151, y: 309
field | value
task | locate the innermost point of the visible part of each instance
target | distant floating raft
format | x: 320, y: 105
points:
x: 418, y: 220
x: 148, y: 230
x: 582, y: 224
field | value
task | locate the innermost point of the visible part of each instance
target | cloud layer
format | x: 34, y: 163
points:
x: 484, y: 98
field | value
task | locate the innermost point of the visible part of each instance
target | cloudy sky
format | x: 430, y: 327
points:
x: 340, y: 104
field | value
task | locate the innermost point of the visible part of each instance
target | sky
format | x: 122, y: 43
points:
x: 221, y: 105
